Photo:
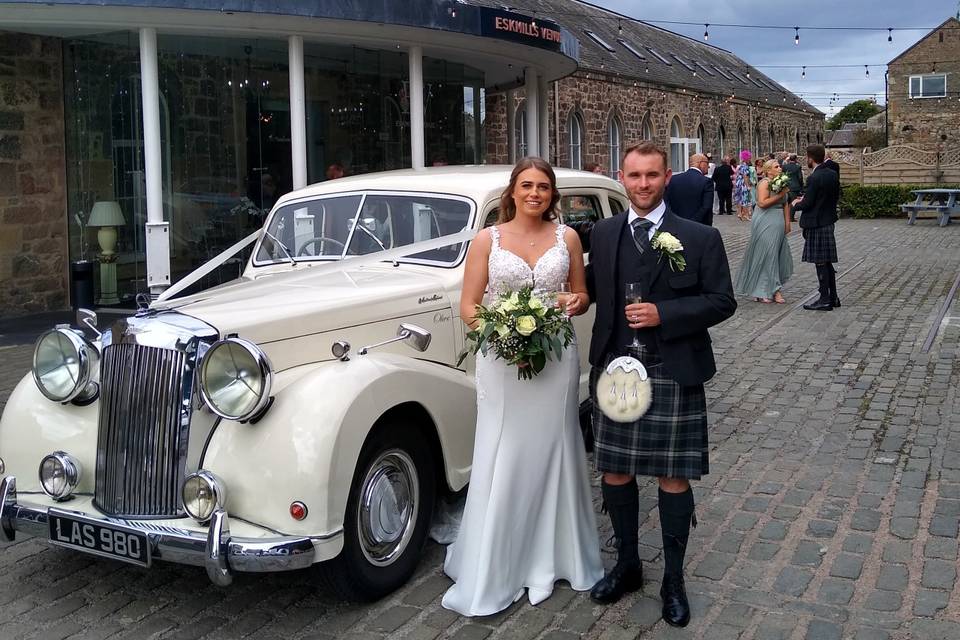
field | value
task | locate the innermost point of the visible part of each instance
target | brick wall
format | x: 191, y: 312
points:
x: 925, y: 122
x: 33, y: 243
x: 597, y: 97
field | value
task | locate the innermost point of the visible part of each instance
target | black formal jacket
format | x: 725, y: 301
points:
x: 688, y: 301
x: 690, y: 194
x: 818, y: 208
x: 833, y: 166
x: 723, y: 177
x: 795, y: 175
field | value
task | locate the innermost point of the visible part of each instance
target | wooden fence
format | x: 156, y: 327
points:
x: 901, y: 164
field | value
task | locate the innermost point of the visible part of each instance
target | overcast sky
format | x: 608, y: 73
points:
x: 762, y: 47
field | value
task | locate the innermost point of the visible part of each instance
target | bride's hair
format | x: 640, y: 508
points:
x: 508, y: 209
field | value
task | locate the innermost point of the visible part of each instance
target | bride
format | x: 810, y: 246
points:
x: 529, y: 519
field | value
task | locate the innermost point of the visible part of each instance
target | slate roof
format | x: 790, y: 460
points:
x: 670, y: 59
x: 844, y: 137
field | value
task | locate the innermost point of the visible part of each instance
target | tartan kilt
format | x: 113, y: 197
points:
x: 819, y: 245
x: 669, y: 440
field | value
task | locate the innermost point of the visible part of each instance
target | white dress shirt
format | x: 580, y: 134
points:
x: 655, y: 216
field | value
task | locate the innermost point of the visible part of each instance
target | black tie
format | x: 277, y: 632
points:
x: 641, y: 233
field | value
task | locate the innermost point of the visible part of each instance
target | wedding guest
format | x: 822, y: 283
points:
x: 593, y: 167
x: 529, y: 518
x: 818, y: 215
x: 743, y: 186
x: 690, y: 193
x: 669, y: 442
x: 767, y: 263
x: 723, y: 181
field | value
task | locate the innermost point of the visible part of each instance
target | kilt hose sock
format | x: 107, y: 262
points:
x: 622, y: 502
x: 676, y: 513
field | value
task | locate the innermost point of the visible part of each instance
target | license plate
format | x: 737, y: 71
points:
x: 110, y: 541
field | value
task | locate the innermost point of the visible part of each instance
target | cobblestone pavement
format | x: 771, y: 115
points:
x: 831, y: 510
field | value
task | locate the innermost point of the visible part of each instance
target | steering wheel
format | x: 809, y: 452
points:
x: 302, y: 251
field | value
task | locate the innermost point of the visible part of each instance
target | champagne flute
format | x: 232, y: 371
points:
x: 564, y: 294
x: 633, y: 295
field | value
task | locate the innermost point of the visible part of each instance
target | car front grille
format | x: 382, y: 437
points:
x: 145, y: 396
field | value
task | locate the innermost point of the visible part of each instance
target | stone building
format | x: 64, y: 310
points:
x: 637, y: 81
x: 923, y: 90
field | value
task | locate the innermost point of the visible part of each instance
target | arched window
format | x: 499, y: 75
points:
x: 615, y: 135
x: 575, y: 127
x: 808, y: 138
x: 520, y: 130
x: 772, y: 138
x: 702, y: 137
x: 677, y: 147
x: 757, y: 141
x: 739, y: 142
x: 721, y: 142
x: 797, y: 147
x: 646, y: 131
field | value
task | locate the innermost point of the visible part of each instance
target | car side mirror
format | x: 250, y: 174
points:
x: 416, y: 337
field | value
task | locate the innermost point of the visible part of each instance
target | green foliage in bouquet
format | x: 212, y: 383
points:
x: 778, y: 184
x: 522, y: 328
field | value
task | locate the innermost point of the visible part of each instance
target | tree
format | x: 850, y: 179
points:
x: 857, y: 111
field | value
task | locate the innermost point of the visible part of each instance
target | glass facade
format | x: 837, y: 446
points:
x: 226, y: 140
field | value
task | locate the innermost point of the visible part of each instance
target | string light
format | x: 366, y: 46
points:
x: 619, y: 27
x: 867, y: 69
x: 889, y: 35
x: 804, y: 74
x: 796, y: 36
x: 706, y: 32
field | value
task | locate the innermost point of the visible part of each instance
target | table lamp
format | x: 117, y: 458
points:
x: 106, y: 214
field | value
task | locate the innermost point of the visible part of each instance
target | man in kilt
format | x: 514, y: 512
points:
x: 818, y: 214
x: 669, y: 442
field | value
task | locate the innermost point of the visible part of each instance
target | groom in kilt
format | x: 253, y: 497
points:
x: 818, y: 215
x: 679, y: 303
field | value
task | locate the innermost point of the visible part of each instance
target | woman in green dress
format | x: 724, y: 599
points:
x: 767, y: 263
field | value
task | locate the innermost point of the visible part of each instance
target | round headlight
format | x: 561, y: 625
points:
x: 63, y: 364
x: 203, y: 493
x: 235, y: 379
x: 59, y: 475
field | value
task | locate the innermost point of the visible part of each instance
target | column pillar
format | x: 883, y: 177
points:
x: 533, y: 111
x: 298, y: 112
x: 157, y: 231
x: 415, y: 57
x: 511, y: 127
x: 544, y: 127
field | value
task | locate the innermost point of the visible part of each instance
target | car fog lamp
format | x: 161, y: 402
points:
x: 59, y: 475
x: 63, y: 363
x: 235, y: 379
x: 203, y: 493
x: 298, y: 510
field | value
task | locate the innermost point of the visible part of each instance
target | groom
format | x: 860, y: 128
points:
x: 670, y: 441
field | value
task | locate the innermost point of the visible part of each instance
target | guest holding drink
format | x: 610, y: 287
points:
x: 767, y: 263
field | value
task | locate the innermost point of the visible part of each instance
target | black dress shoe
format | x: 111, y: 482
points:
x: 676, y: 608
x: 835, y: 302
x: 621, y: 579
x: 819, y: 305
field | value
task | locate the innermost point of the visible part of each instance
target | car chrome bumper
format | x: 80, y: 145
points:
x: 214, y: 550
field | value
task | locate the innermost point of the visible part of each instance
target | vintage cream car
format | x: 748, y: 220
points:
x: 309, y: 412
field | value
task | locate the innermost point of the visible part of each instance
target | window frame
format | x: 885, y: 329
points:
x: 614, y: 145
x: 575, y: 161
x: 921, y: 77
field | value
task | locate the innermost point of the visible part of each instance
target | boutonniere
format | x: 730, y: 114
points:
x: 668, y: 245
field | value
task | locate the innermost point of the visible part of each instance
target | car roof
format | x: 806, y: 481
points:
x: 469, y: 180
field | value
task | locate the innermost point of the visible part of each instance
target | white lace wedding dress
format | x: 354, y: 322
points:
x: 529, y: 519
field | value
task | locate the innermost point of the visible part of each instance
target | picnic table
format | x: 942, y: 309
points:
x: 942, y: 201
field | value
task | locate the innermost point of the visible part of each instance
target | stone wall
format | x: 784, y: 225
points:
x: 596, y: 98
x: 33, y: 243
x: 926, y: 122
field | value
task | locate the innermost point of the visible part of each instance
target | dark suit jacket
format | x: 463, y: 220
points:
x: 688, y: 301
x: 723, y: 177
x: 833, y: 166
x: 818, y: 208
x: 794, y: 173
x: 690, y: 195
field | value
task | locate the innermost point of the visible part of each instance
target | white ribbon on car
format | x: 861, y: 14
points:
x: 313, y: 268
x: 624, y: 390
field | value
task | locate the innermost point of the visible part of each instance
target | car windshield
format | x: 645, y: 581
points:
x: 341, y: 226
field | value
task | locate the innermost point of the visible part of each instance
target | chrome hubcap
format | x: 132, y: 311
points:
x: 389, y: 504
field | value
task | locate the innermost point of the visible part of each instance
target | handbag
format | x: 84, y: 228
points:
x: 624, y: 390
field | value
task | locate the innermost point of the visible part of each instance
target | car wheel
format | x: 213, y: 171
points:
x: 388, y: 516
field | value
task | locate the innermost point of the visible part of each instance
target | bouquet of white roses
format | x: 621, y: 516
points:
x: 778, y: 184
x: 522, y: 328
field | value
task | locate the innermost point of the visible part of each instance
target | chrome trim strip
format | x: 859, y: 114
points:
x: 231, y: 554
x: 218, y: 538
